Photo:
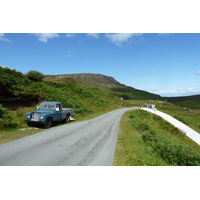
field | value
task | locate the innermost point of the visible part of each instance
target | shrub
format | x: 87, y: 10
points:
x: 35, y: 76
x: 169, y: 150
x: 173, y: 153
x: 181, y: 119
x: 6, y: 119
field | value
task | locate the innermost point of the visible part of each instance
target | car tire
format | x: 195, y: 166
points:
x: 67, y: 119
x: 48, y: 123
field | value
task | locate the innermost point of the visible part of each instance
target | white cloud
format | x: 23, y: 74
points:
x: 175, y: 93
x: 2, y: 38
x: 70, y: 35
x: 43, y: 37
x: 93, y: 35
x: 198, y: 73
x: 119, y: 38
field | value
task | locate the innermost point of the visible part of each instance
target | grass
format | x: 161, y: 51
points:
x: 187, y: 116
x: 131, y: 150
x: 191, y: 102
x: 147, y: 140
x: 9, y: 135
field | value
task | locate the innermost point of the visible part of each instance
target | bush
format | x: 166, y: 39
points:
x: 35, y: 76
x: 6, y: 120
x: 175, y: 154
x: 12, y: 81
x: 181, y: 119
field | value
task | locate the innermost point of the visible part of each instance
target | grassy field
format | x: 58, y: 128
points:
x: 147, y: 140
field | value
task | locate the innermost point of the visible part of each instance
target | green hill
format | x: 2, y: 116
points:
x: 106, y: 83
x: 87, y: 79
x: 17, y: 89
x: 192, y: 102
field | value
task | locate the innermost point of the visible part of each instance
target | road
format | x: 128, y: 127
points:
x: 86, y: 143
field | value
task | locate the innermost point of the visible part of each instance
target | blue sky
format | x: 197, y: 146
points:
x: 165, y: 64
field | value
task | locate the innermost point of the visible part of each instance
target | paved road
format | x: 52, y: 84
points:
x: 90, y: 142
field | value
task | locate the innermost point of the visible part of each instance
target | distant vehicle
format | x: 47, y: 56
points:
x: 48, y: 113
x: 151, y: 106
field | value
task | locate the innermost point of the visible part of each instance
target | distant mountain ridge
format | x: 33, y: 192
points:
x: 87, y: 78
x: 192, y: 102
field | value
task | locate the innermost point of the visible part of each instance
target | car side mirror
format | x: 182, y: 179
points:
x: 57, y: 109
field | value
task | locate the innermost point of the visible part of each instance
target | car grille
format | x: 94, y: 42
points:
x: 35, y: 116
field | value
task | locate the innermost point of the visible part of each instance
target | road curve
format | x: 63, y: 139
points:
x: 87, y: 143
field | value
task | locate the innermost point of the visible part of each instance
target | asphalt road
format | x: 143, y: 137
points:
x: 87, y: 143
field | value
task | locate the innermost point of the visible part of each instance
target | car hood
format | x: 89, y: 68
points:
x: 44, y: 112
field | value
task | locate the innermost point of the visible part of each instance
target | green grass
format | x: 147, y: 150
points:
x: 147, y: 140
x: 9, y: 135
x: 187, y: 116
x: 191, y: 102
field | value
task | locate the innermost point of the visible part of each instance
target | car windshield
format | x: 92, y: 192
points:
x: 47, y: 106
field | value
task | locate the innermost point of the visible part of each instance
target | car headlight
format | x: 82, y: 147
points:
x: 41, y: 117
x: 27, y: 116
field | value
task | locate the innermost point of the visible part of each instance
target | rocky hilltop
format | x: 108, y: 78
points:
x: 87, y: 78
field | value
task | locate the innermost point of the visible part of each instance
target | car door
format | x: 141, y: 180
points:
x: 58, y: 112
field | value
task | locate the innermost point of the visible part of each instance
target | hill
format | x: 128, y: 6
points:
x: 192, y: 102
x: 88, y: 94
x: 18, y: 88
x: 88, y: 79
x: 107, y: 83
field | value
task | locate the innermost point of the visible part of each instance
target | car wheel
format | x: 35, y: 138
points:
x: 67, y: 119
x: 48, y: 123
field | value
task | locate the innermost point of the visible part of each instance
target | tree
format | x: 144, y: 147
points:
x: 35, y: 76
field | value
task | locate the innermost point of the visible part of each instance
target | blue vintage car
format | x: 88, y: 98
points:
x: 47, y: 113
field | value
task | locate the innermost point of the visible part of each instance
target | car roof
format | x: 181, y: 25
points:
x: 51, y: 102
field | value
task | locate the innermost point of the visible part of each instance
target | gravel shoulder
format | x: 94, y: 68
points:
x: 195, y: 136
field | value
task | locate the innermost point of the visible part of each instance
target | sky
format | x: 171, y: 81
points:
x: 164, y: 64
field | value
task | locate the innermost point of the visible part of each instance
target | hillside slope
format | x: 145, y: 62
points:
x: 192, y: 102
x: 83, y: 92
x: 107, y: 83
x: 88, y: 79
